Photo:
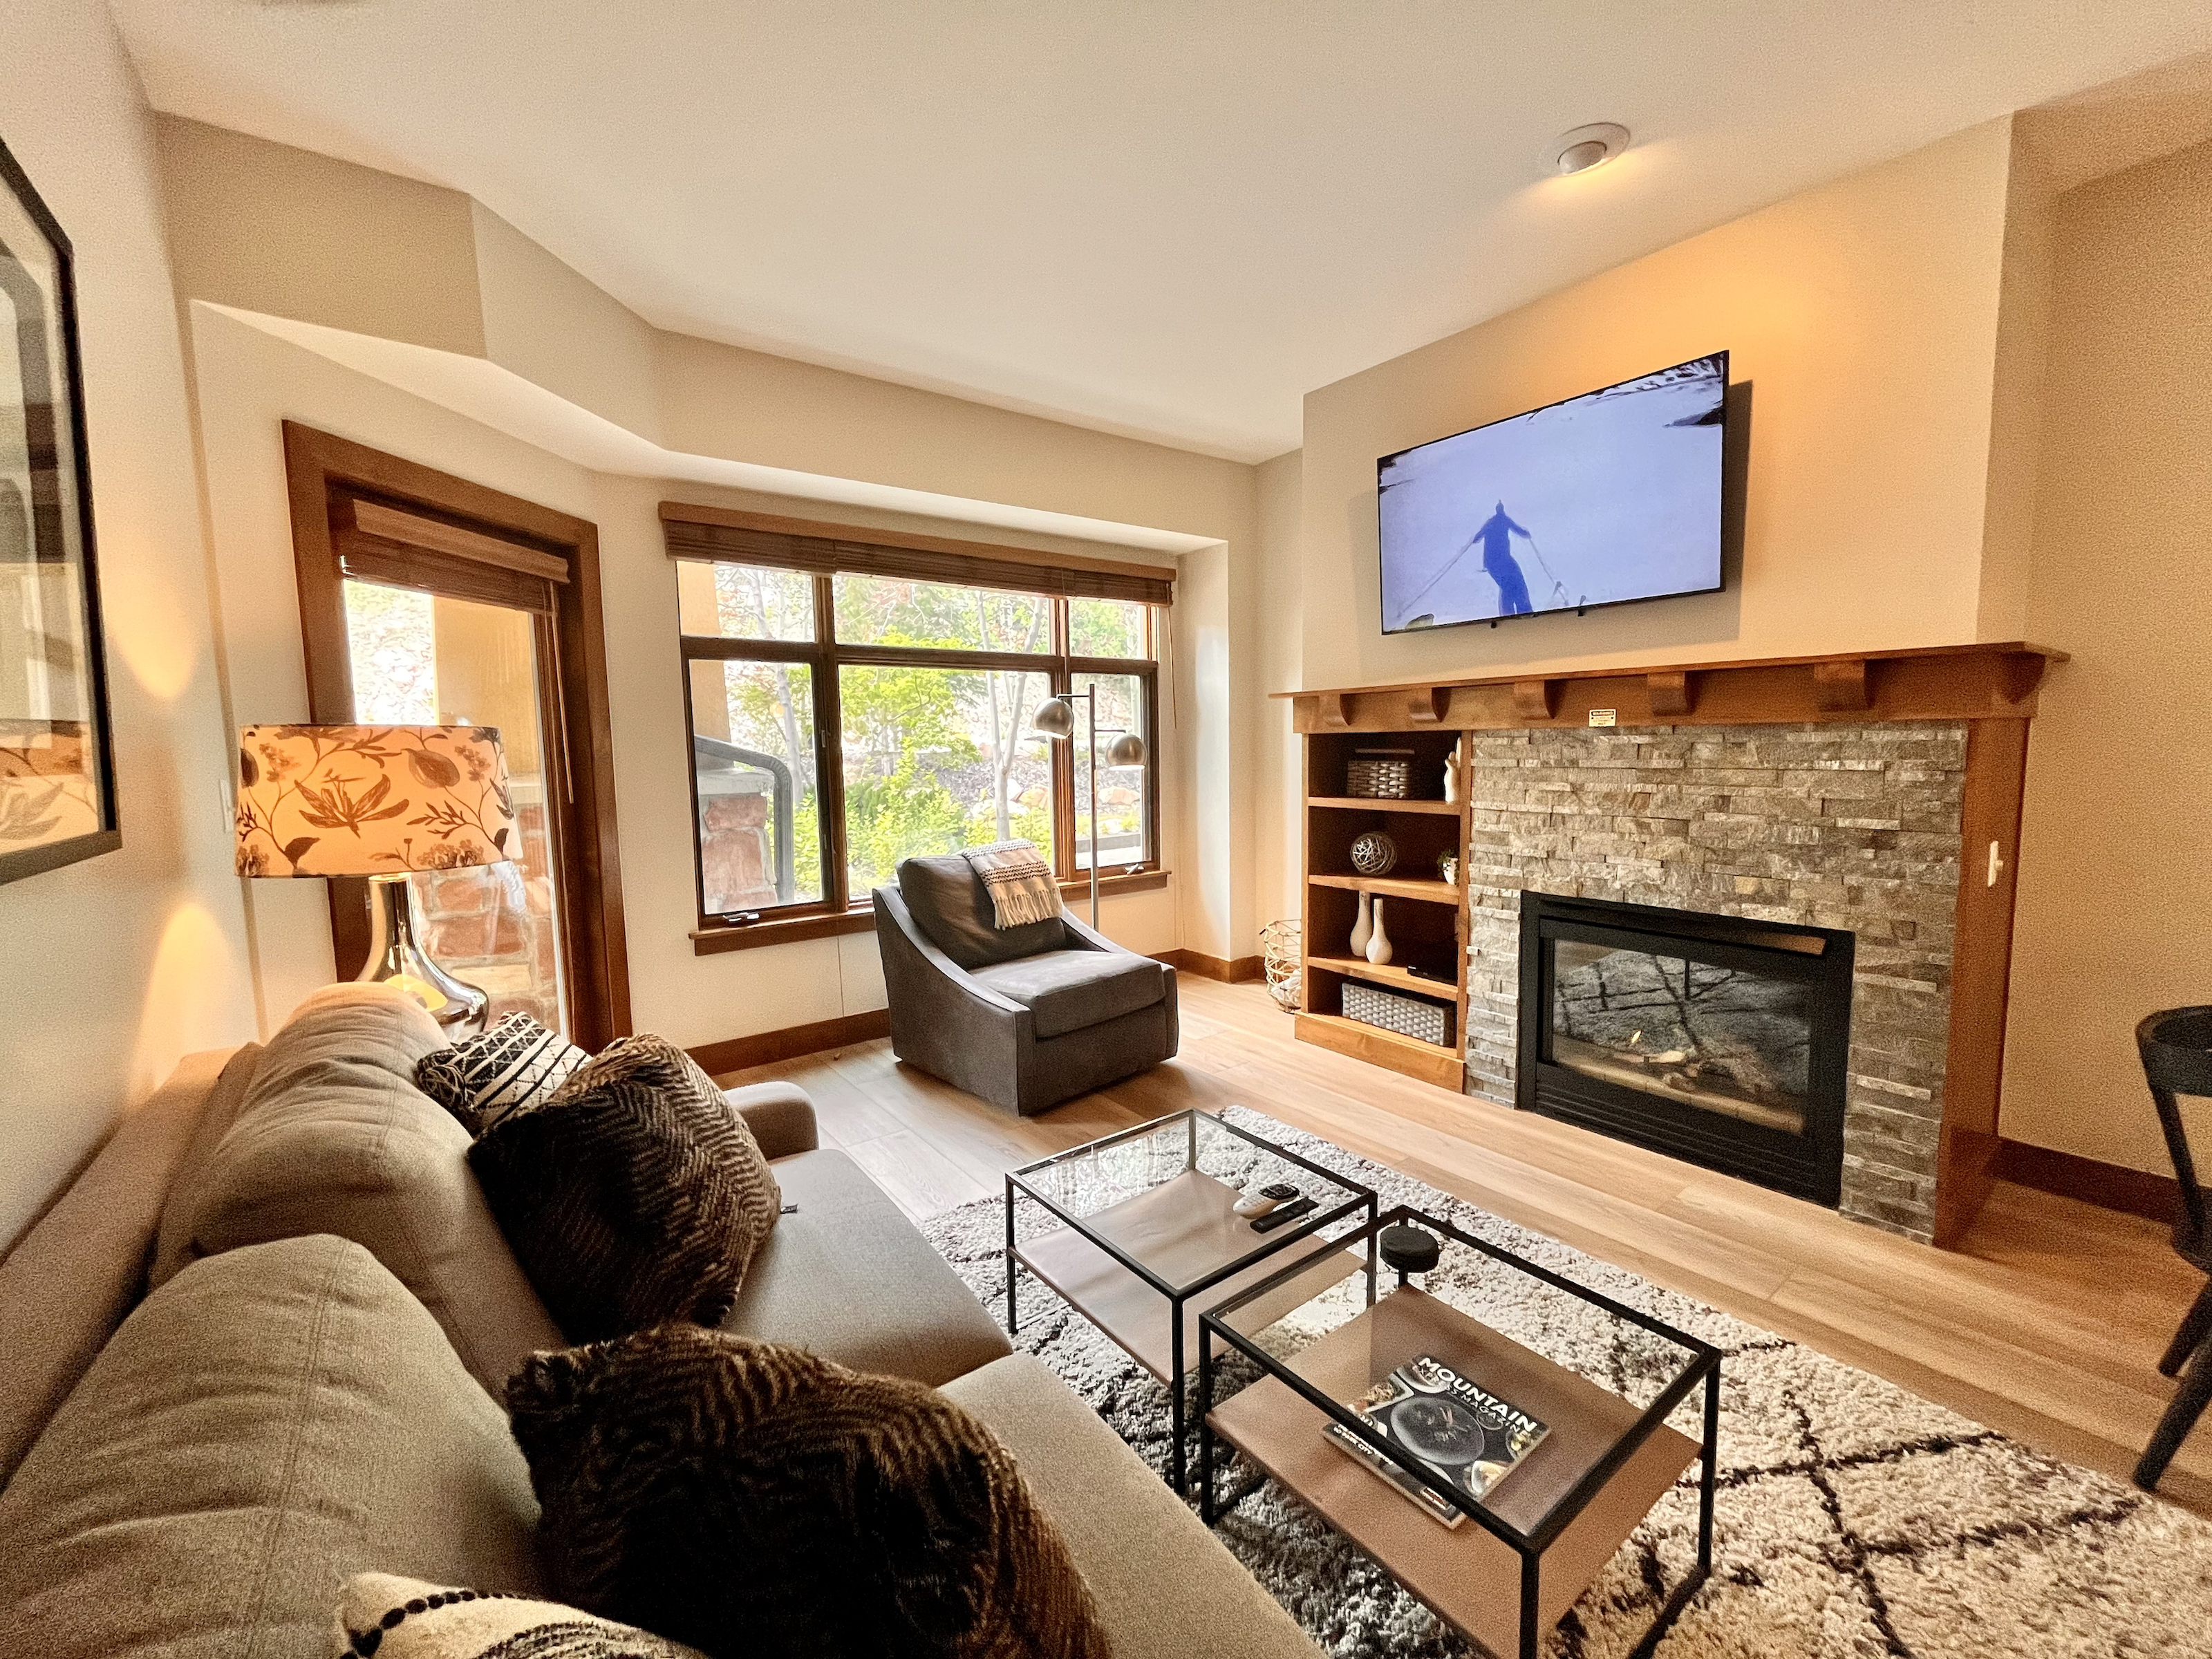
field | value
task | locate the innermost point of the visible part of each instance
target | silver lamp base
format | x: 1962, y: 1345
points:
x: 395, y: 957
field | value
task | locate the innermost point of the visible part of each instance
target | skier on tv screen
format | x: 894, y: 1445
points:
x: 1498, y: 562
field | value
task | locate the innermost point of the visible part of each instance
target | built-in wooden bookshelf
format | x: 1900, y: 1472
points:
x: 1424, y: 916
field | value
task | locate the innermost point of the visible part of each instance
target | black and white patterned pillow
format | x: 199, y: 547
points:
x: 394, y: 1618
x: 515, y: 1064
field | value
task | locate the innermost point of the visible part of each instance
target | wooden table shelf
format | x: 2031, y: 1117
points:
x: 1428, y: 892
x: 1388, y: 974
x: 1469, y: 1577
x: 1182, y: 1230
x: 1426, y: 1060
x: 1378, y: 804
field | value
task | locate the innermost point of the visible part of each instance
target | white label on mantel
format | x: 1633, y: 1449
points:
x: 1601, y: 716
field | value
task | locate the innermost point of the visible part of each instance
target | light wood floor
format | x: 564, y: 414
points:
x: 2048, y: 1324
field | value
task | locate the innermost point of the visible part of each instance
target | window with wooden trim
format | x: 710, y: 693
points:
x: 852, y: 705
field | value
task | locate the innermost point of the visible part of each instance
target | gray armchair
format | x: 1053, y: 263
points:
x: 1025, y: 1018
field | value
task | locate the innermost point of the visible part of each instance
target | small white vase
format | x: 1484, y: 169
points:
x: 1360, y: 929
x: 1378, y: 943
x: 1451, y: 777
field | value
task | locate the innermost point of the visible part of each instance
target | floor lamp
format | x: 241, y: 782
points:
x: 1055, y: 719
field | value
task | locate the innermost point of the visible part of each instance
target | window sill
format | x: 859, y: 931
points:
x: 712, y: 940
x: 708, y: 941
x: 1143, y: 881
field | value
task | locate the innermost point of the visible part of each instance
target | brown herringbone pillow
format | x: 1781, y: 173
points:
x: 751, y: 1499
x: 635, y: 1194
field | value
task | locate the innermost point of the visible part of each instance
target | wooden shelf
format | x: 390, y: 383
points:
x: 1409, y: 1055
x: 1378, y: 804
x: 1429, y: 892
x: 1391, y: 975
x: 1396, y: 1038
x: 1993, y: 679
x: 1423, y: 830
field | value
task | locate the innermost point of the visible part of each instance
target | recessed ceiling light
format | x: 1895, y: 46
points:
x: 1584, y: 147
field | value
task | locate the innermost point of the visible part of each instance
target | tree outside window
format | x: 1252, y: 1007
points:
x: 902, y: 694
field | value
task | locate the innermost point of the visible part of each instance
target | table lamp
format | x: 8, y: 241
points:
x: 379, y: 801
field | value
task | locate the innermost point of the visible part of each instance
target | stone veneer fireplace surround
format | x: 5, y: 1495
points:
x: 1876, y: 793
x: 1848, y: 827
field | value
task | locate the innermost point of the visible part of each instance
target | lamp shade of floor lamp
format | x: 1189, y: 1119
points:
x: 383, y: 802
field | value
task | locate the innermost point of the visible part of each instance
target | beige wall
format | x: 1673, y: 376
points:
x: 693, y: 999
x: 273, y: 229
x: 1279, y: 850
x: 249, y: 381
x: 724, y: 400
x: 248, y: 384
x: 1863, y: 316
x: 2115, y: 853
x: 2023, y: 345
x: 1198, y: 689
x: 110, y: 968
x: 1862, y: 321
x: 553, y: 327
x: 289, y: 234
x: 703, y: 402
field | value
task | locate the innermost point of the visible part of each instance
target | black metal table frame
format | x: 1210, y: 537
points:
x: 1704, y: 1365
x: 1177, y: 1296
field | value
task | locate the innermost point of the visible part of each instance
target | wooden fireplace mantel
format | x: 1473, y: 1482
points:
x: 1997, y: 680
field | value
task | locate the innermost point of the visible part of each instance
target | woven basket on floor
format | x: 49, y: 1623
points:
x: 1282, y: 951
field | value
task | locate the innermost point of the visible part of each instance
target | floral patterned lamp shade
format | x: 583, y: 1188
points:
x: 380, y: 801
x: 372, y: 800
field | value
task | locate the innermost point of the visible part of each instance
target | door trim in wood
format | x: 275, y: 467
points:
x: 316, y: 464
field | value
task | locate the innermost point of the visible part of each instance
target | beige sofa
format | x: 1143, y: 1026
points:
x: 254, y: 1349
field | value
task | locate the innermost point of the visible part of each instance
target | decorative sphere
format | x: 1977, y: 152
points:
x: 1374, y: 853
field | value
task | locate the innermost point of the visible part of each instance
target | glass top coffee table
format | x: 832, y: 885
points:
x: 1531, y: 1408
x: 1148, y: 1238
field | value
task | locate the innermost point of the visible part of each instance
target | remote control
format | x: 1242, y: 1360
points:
x: 1259, y: 1203
x: 1288, y: 1213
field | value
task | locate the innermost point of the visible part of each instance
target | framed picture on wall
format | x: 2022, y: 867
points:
x: 57, y: 766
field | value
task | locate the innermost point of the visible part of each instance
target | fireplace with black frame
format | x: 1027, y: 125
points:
x: 1715, y: 1039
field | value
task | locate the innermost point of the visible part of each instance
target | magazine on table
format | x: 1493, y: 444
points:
x: 1454, y: 1427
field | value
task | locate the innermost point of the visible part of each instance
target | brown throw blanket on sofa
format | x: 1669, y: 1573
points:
x: 1018, y: 880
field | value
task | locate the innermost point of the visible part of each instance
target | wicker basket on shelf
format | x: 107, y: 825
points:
x: 1282, y: 953
x: 1413, y: 1017
x: 1380, y: 774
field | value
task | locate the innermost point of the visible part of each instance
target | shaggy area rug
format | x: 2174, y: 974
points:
x: 1854, y: 1519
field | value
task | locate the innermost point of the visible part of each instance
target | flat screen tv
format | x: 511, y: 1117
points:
x: 1611, y: 496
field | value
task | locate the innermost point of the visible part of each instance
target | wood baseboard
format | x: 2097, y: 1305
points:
x: 1245, y: 970
x: 766, y: 1047
x: 2108, y: 1186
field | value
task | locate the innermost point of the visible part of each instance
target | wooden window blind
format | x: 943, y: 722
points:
x: 375, y: 543
x: 713, y: 533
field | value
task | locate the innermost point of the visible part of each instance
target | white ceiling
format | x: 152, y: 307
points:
x: 1170, y: 218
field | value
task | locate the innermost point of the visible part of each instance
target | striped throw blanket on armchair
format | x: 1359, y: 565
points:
x: 1018, y: 880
